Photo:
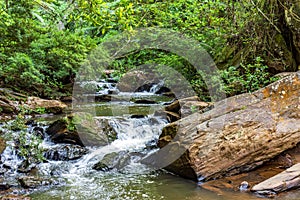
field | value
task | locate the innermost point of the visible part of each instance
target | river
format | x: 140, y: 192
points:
x: 137, y: 129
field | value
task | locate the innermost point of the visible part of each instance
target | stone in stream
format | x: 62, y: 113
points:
x: 38, y: 131
x: 82, y: 129
x: 26, y: 166
x: 61, y: 131
x: 239, y: 134
x: 4, y: 185
x: 132, y: 80
x: 244, y: 186
x: 65, y: 152
x: 116, y: 160
x: 286, y: 180
x: 35, y: 182
x: 108, y: 162
x: 144, y: 101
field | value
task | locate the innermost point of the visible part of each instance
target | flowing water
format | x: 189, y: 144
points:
x: 128, y: 179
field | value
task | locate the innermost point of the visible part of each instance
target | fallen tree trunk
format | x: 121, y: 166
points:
x: 239, y: 134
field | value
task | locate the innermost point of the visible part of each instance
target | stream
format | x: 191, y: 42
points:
x: 137, y: 128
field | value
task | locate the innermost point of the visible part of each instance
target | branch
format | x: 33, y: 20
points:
x: 261, y: 12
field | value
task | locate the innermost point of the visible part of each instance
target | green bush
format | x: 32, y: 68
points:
x: 246, y: 78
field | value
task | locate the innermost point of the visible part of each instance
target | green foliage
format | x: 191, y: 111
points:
x: 40, y: 110
x: 246, y: 78
x: 194, y: 108
x: 27, y: 145
x: 44, y: 43
x: 38, y: 57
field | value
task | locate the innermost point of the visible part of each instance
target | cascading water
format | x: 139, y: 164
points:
x: 110, y: 171
x: 137, y: 131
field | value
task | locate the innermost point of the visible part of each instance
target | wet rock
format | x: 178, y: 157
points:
x: 2, y: 170
x: 146, y: 87
x: 244, y: 186
x: 38, y: 131
x: 239, y: 134
x: 115, y: 160
x: 65, y: 152
x: 35, y: 182
x: 131, y: 81
x: 101, y: 167
x: 81, y: 129
x: 286, y: 180
x: 165, y: 91
x: 108, y: 162
x: 2, y: 145
x: 4, y: 185
x: 172, y: 116
x: 15, y: 197
x: 137, y: 116
x: 26, y: 166
x: 61, y: 131
x: 50, y: 106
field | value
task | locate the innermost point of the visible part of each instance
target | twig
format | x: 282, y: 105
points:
x: 261, y: 12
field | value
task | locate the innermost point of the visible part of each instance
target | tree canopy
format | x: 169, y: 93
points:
x: 44, y: 42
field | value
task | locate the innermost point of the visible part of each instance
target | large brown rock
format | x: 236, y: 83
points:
x: 50, y: 106
x: 237, y: 135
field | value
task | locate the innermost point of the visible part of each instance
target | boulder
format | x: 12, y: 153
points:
x: 239, y: 134
x: 61, y: 131
x: 50, y: 106
x: 82, y: 129
x: 283, y: 181
x: 132, y: 81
